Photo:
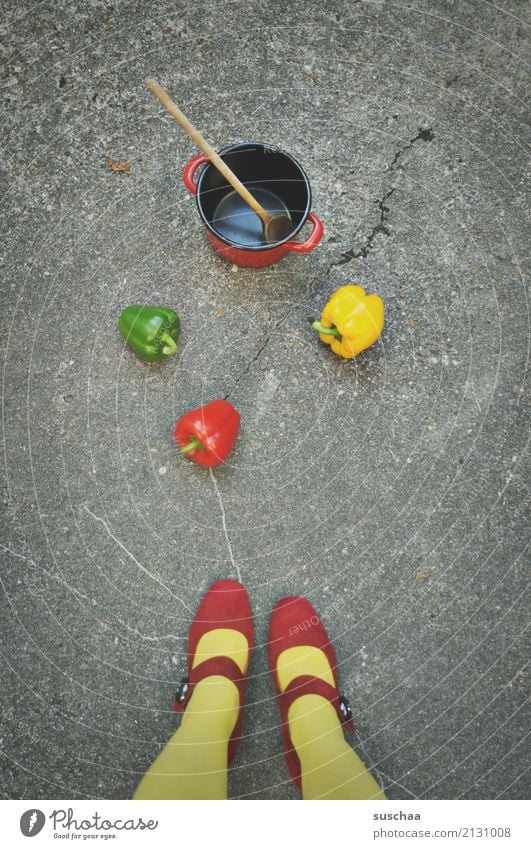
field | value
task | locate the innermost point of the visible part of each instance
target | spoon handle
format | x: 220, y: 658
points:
x: 203, y: 145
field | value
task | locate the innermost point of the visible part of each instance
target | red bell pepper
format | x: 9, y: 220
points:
x: 208, y: 434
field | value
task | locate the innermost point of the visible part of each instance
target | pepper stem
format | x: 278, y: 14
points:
x: 193, y: 445
x: 328, y: 331
x: 169, y: 343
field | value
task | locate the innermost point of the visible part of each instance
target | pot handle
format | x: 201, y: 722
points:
x: 313, y: 239
x: 189, y: 170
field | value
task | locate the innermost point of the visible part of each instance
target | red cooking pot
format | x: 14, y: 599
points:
x: 276, y: 180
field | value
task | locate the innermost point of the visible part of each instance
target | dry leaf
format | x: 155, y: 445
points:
x: 118, y: 166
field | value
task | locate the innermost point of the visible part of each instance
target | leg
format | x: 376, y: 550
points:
x: 304, y: 668
x: 330, y: 768
x: 193, y: 764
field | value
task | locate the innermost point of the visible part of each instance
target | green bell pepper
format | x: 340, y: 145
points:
x: 152, y: 332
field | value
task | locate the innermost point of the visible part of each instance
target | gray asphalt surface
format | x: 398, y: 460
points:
x: 390, y: 490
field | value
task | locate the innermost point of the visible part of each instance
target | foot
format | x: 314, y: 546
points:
x: 307, y: 709
x: 220, y: 645
x: 217, y: 690
x: 303, y: 664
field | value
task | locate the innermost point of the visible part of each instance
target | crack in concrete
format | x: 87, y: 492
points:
x: 79, y: 594
x: 379, y: 227
x: 257, y: 356
x: 248, y: 367
x: 151, y: 575
x: 380, y: 776
x: 425, y: 134
x: 224, y: 525
x: 50, y: 575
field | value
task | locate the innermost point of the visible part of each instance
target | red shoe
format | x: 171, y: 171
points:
x: 224, y: 605
x: 294, y: 622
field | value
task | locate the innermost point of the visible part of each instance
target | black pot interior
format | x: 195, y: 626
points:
x: 271, y: 175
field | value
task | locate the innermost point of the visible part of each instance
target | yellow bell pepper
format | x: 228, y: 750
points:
x: 351, y: 321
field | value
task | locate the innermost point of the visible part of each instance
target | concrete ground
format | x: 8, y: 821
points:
x: 390, y: 490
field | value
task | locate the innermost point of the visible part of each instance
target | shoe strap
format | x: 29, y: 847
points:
x: 218, y: 665
x: 308, y: 685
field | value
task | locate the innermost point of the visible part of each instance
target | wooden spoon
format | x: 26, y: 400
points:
x: 277, y: 226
